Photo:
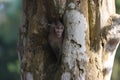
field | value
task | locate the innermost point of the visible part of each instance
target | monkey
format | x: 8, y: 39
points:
x: 55, y: 38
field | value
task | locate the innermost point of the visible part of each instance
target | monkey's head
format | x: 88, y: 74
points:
x: 59, y: 28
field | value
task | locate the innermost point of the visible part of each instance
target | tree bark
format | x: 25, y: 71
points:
x: 91, y: 38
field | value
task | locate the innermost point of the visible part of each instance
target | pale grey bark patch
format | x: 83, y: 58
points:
x: 66, y: 76
x: 76, y: 23
x: 74, y: 44
x: 29, y: 76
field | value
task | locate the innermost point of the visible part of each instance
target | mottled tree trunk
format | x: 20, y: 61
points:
x: 91, y: 38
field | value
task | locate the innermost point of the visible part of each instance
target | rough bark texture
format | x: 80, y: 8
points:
x: 91, y: 38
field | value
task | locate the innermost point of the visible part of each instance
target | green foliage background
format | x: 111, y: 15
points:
x: 10, y: 14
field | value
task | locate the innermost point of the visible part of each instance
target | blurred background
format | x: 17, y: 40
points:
x: 10, y: 14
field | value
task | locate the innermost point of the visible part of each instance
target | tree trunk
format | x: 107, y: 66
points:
x: 90, y: 39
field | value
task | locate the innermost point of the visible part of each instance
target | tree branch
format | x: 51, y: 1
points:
x: 110, y: 39
x: 111, y: 33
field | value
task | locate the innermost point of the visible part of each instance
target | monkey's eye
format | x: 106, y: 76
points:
x: 59, y: 27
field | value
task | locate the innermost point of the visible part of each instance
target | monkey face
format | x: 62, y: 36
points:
x: 59, y: 30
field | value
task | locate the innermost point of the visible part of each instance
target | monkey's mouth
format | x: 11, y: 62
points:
x: 59, y: 34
